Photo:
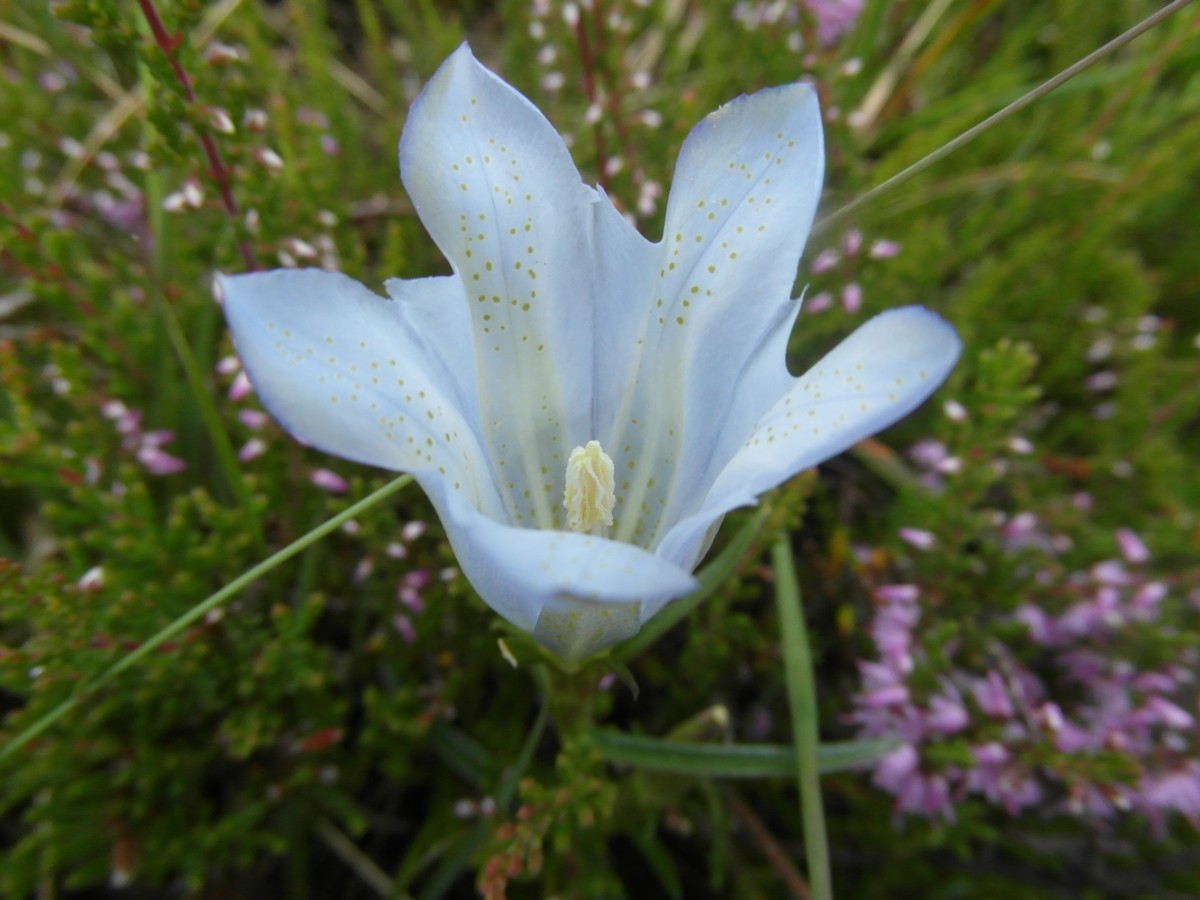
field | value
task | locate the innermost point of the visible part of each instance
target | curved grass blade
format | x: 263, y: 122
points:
x: 702, y: 760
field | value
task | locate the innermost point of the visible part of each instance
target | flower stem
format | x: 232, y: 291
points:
x: 802, y: 703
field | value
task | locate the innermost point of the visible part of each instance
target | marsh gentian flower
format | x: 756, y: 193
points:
x: 583, y: 406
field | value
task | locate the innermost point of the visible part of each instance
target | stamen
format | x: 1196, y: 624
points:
x: 591, y: 489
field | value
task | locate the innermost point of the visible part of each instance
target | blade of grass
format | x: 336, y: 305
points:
x: 1016, y: 106
x: 200, y: 610
x: 802, y: 702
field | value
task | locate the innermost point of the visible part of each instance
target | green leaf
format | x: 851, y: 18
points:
x: 730, y: 760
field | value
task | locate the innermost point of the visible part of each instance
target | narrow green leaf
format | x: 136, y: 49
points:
x: 802, y: 702
x: 730, y: 760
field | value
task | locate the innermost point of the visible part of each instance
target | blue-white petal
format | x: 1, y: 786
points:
x: 576, y: 594
x: 742, y: 200
x: 361, y: 376
x: 877, y: 375
x: 495, y: 187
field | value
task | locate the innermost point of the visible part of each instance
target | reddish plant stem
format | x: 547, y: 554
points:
x: 220, y: 174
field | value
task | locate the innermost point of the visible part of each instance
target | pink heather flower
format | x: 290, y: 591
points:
x: 240, y: 388
x: 1020, y: 526
x: 363, y: 570
x: 884, y: 250
x: 825, y: 261
x: 157, y: 461
x: 1160, y: 711
x: 852, y: 242
x: 928, y: 453
x: 328, y: 480
x: 1174, y: 791
x: 92, y: 579
x: 954, y: 411
x: 227, y: 365
x: 254, y: 419
x: 946, y: 715
x: 894, y: 770
x: 903, y: 593
x: 818, y: 302
x: 852, y: 296
x: 1020, y: 445
x: 928, y: 795
x: 413, y: 530
x: 834, y: 17
x: 1043, y: 629
x: 922, y: 540
x: 268, y: 158
x: 252, y: 449
x: 1132, y: 548
x: 1145, y: 601
x: 404, y: 627
x: 992, y: 696
x: 409, y: 589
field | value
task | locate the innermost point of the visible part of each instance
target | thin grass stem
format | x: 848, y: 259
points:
x: 996, y: 118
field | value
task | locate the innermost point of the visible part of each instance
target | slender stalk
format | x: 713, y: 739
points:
x: 155, y: 249
x: 802, y: 703
x: 220, y: 174
x: 996, y: 118
x: 200, y: 610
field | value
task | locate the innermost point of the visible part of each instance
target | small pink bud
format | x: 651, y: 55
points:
x: 1132, y: 548
x: 922, y: 540
x: 852, y: 298
x: 91, y: 580
x: 241, y: 387
x: 328, y: 480
x: 818, y: 303
x: 220, y: 121
x: 268, y: 158
x: 954, y: 411
x: 825, y: 261
x: 252, y: 449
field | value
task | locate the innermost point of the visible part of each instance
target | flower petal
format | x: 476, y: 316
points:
x: 743, y: 198
x: 360, y: 376
x: 576, y: 594
x: 877, y: 375
x: 495, y: 186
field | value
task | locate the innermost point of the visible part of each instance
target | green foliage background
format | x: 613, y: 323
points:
x: 295, y: 742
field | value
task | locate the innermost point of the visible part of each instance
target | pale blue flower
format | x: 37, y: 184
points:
x: 571, y: 374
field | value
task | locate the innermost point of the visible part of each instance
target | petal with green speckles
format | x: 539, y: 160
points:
x: 878, y: 375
